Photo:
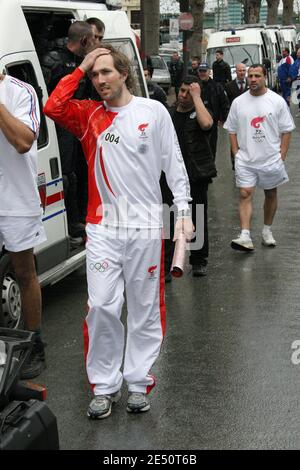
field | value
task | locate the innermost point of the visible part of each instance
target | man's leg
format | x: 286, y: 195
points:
x: 31, y: 299
x: 103, y: 329
x: 244, y: 242
x: 198, y: 258
x: 143, y: 270
x: 286, y: 92
x: 270, y: 207
x: 245, y: 207
x: 24, y: 267
x: 213, y: 139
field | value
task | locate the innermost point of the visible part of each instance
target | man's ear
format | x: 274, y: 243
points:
x: 83, y: 41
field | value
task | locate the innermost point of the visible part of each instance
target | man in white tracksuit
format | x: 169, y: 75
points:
x: 127, y: 141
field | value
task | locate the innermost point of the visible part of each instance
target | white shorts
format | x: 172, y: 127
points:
x: 21, y: 233
x: 268, y: 177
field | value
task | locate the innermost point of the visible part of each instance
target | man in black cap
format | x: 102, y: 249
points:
x: 214, y: 98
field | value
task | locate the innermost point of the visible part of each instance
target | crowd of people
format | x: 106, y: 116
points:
x: 139, y: 151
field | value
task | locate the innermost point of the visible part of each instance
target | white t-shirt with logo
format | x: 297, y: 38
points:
x: 258, y: 122
x: 19, y: 194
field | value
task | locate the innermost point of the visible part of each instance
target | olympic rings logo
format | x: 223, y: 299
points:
x: 99, y: 267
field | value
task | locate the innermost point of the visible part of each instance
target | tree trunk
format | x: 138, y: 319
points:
x: 195, y: 43
x: 272, y: 11
x: 150, y: 30
x: 287, y: 14
x: 251, y: 10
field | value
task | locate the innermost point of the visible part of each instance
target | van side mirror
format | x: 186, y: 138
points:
x: 267, y: 63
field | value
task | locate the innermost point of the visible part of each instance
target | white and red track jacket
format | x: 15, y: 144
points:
x: 126, y: 149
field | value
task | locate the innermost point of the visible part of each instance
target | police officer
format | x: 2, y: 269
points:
x: 62, y: 60
x: 193, y: 123
x: 216, y: 100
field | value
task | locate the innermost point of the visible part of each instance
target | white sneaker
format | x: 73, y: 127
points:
x: 137, y: 402
x: 242, y: 243
x: 268, y: 239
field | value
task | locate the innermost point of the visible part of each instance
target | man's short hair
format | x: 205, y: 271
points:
x: 286, y: 49
x: 78, y: 30
x: 189, y: 79
x: 145, y: 67
x: 219, y: 51
x: 256, y: 66
x: 96, y: 22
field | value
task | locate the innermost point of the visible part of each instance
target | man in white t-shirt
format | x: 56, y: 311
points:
x: 20, y: 213
x: 127, y: 141
x: 259, y: 125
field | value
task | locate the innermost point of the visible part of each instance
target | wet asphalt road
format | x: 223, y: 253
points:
x: 225, y: 376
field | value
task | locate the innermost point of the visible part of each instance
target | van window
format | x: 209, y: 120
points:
x: 264, y: 45
x: 247, y: 54
x: 24, y: 71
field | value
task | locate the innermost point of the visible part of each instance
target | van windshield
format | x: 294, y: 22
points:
x: 247, y: 54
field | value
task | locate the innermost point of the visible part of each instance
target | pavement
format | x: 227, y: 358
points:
x: 225, y: 375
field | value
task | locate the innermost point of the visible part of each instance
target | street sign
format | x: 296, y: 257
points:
x: 174, y: 27
x: 186, y: 21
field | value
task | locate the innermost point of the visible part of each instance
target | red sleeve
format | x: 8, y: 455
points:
x: 68, y: 113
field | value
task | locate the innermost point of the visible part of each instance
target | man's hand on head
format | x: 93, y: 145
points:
x: 90, y: 58
x: 195, y: 90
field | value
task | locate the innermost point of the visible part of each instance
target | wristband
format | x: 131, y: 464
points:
x: 184, y: 213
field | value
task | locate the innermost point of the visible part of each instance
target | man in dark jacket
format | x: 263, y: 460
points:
x: 239, y: 85
x: 192, y: 122
x: 215, y: 99
x: 154, y: 90
x: 193, y: 70
x: 221, y: 70
x: 59, y: 61
x: 236, y: 88
x: 176, y: 71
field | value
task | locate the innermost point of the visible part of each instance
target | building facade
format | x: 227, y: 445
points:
x: 132, y: 8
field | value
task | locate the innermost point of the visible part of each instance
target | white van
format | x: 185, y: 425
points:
x: 21, y: 22
x: 277, y: 38
x: 248, y: 44
x: 290, y: 36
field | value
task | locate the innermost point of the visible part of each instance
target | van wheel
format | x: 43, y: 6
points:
x: 10, y: 305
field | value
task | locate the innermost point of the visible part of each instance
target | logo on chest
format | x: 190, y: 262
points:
x: 143, y: 130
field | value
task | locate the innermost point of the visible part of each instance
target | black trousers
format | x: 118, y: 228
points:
x: 213, y: 139
x: 199, y: 195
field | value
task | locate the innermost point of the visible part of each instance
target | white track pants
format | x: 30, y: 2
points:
x: 118, y: 259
